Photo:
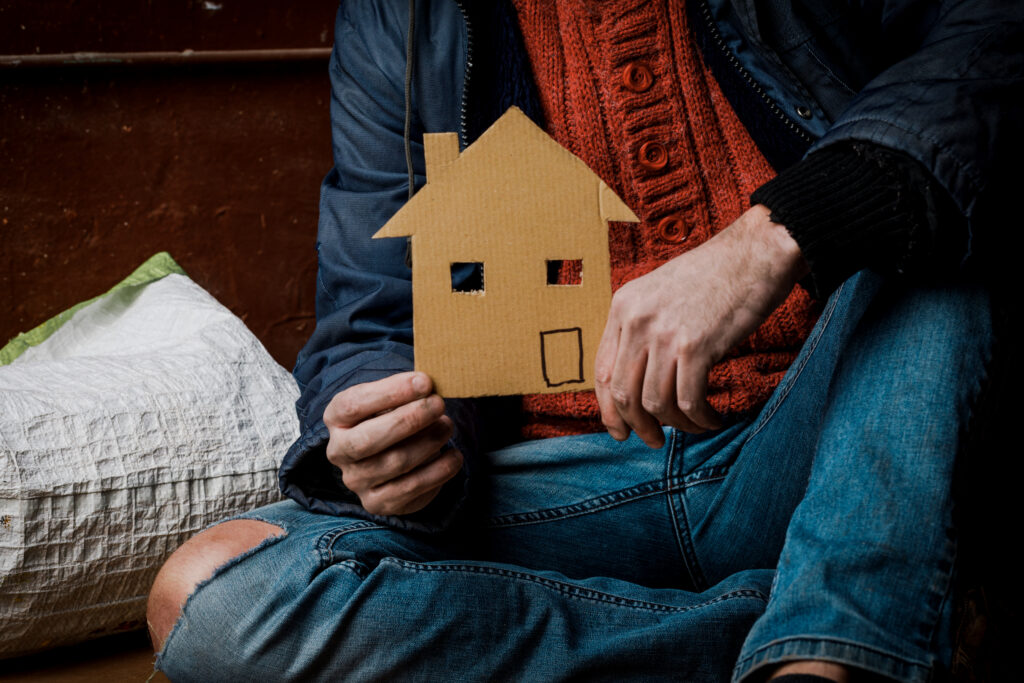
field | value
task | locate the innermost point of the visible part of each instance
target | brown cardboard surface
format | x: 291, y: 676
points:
x: 511, y: 201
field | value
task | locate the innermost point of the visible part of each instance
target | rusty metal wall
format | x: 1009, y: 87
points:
x: 61, y: 26
x: 103, y: 165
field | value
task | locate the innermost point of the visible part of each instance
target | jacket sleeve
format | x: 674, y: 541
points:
x: 954, y: 98
x: 364, y: 293
x: 927, y: 143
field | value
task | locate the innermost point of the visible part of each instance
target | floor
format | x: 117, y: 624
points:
x: 124, y: 658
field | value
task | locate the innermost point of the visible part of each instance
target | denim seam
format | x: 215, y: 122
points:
x: 232, y: 562
x: 810, y: 346
x: 975, y: 395
x: 679, y: 517
x: 573, y: 590
x: 706, y: 480
x: 947, y: 590
x: 325, y: 543
x: 597, y: 504
x: 789, y: 649
x: 707, y: 474
x: 359, y: 569
x: 680, y: 521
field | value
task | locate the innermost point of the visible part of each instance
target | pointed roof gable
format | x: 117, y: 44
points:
x: 514, y: 147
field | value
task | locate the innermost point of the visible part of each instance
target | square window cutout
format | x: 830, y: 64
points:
x: 565, y: 272
x: 468, y: 276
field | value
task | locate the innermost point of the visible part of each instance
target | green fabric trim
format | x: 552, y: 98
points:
x: 156, y: 267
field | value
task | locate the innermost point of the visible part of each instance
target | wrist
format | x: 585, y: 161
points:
x: 778, y: 248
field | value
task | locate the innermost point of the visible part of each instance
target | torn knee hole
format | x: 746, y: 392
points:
x: 196, y: 561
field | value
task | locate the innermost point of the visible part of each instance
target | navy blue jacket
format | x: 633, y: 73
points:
x: 939, y: 82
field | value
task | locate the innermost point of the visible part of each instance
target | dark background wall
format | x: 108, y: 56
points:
x: 200, y: 129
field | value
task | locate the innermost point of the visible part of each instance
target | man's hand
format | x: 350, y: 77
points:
x: 667, y: 328
x: 387, y: 438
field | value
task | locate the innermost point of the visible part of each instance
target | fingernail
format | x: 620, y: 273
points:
x: 434, y: 403
x: 420, y: 383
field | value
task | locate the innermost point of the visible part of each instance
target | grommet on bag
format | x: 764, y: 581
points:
x: 653, y: 156
x: 804, y: 112
x: 673, y: 229
x: 637, y: 77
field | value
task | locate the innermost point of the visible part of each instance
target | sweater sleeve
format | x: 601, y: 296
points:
x: 860, y: 205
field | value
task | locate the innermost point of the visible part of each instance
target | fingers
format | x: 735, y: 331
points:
x: 675, y: 390
x: 387, y: 438
x: 691, y: 397
x: 405, y: 456
x: 640, y: 386
x: 413, y: 490
x: 627, y: 391
x: 604, y: 367
x: 618, y: 378
x: 376, y: 434
x: 357, y: 403
x: 659, y: 394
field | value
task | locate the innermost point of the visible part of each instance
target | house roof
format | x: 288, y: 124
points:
x: 513, y: 169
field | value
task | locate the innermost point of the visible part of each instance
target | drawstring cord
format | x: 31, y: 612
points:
x: 409, y: 56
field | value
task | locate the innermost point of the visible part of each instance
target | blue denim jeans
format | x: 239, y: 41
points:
x: 819, y: 528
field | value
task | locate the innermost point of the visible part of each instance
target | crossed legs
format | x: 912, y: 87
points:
x: 642, y: 564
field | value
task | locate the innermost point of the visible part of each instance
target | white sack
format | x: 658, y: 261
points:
x: 151, y: 414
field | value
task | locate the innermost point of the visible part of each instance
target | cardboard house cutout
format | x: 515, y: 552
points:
x: 489, y: 230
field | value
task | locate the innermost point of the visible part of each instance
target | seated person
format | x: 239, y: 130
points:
x: 787, y: 368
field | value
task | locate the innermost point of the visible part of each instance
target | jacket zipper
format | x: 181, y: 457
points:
x: 463, y: 132
x: 716, y: 35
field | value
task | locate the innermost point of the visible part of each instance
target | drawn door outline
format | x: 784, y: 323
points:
x: 561, y: 356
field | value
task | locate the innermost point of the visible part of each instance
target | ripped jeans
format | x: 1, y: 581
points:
x: 820, y: 528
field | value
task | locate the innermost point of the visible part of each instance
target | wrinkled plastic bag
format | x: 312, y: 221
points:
x: 151, y: 414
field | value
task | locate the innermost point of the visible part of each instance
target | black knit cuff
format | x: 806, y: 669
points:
x: 859, y: 205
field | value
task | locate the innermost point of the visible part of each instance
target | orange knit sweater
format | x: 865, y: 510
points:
x: 623, y: 86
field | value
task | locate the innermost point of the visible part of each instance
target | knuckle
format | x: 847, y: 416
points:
x: 389, y: 508
x: 355, y: 445
x: 652, y: 405
x: 406, y: 488
x: 624, y: 293
x: 334, y: 453
x: 391, y: 462
x: 450, y: 465
x: 622, y: 308
x: 344, y: 406
x: 687, y: 346
x: 377, y: 504
x: 412, y: 421
x: 352, y: 480
x: 621, y: 397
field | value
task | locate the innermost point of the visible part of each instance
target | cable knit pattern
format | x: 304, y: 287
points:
x: 623, y: 86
